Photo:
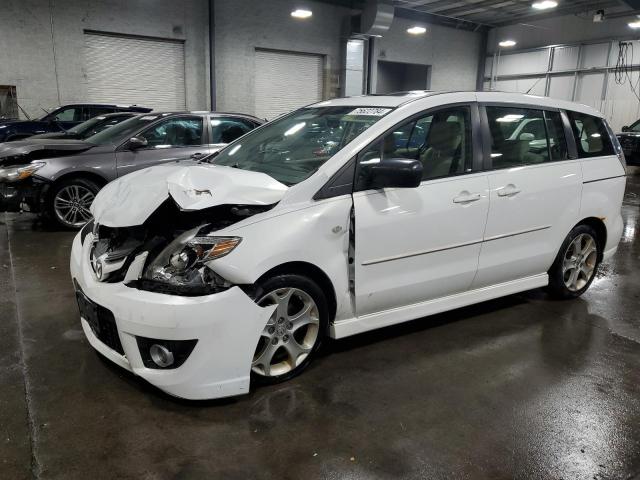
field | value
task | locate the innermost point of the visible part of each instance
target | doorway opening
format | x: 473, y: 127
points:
x: 399, y: 77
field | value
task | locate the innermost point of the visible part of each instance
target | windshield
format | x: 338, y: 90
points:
x: 292, y: 148
x: 86, y: 125
x: 122, y: 131
x: 635, y: 127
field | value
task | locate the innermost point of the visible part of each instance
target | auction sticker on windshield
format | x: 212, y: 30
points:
x: 371, y: 111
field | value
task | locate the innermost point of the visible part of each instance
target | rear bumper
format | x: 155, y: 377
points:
x: 226, y: 325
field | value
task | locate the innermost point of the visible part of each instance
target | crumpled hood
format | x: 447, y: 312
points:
x: 24, y: 151
x: 130, y: 200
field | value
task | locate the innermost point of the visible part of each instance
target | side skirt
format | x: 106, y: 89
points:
x: 353, y: 326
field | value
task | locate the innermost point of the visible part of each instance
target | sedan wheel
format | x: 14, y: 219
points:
x: 71, y: 205
x: 290, y: 334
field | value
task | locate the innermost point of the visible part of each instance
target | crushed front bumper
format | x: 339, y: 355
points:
x: 226, y: 325
x: 24, y: 196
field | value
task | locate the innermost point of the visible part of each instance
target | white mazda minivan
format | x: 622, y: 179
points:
x: 341, y: 217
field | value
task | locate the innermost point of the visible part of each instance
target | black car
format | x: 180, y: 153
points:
x: 88, y: 128
x: 630, y: 142
x: 60, y: 119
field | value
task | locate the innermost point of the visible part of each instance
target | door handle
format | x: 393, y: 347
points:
x: 466, y: 197
x: 508, y: 191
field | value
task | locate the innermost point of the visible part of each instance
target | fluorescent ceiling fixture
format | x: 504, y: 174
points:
x: 416, y: 30
x: 544, y: 5
x: 507, y: 43
x: 296, y: 128
x: 635, y: 24
x: 509, y: 118
x: 301, y: 13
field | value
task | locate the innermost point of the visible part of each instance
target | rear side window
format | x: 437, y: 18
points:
x: 592, y: 137
x: 518, y: 137
x: 227, y: 129
x: 90, y: 112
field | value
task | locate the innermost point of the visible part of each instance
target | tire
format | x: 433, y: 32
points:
x: 575, y: 268
x: 63, y: 197
x: 281, y: 341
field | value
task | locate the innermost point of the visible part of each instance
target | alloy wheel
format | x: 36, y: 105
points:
x: 290, y: 334
x: 579, y: 262
x: 71, y: 205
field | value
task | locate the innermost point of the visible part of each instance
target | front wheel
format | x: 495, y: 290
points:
x: 69, y: 202
x: 575, y: 266
x: 292, y: 336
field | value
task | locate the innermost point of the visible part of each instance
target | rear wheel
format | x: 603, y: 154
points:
x: 69, y: 202
x: 292, y: 336
x: 575, y: 266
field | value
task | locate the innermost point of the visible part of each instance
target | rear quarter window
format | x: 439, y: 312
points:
x: 591, y: 134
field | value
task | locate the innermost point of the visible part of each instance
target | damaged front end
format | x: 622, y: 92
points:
x: 177, y: 245
x: 20, y: 188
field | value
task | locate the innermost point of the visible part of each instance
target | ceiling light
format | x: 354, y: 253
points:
x: 507, y: 43
x: 544, y: 5
x: 416, y: 30
x: 635, y: 24
x: 301, y: 13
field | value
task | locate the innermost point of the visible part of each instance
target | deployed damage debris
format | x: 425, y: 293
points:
x: 117, y: 247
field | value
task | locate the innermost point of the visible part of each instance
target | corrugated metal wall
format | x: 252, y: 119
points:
x: 129, y: 70
x: 285, y: 81
x: 582, y: 73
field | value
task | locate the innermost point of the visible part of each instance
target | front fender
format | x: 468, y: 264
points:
x: 317, y: 234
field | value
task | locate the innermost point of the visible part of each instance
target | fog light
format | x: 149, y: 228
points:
x: 164, y: 354
x: 161, y: 355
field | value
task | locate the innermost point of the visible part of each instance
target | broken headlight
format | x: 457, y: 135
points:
x: 182, y: 264
x: 15, y: 174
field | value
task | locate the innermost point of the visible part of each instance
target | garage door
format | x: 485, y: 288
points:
x: 128, y: 70
x: 285, y: 81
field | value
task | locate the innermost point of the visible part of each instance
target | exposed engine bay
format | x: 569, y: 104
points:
x: 176, y: 242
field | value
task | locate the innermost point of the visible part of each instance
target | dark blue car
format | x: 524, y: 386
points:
x: 60, y: 119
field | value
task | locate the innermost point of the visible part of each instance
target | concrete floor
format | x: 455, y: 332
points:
x: 521, y: 387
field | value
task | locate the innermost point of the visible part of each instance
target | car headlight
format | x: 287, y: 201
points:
x: 15, y: 174
x: 183, y: 262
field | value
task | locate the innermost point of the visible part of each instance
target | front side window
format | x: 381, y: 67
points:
x: 518, y: 137
x: 634, y: 127
x: 71, y: 114
x: 174, y: 132
x: 228, y: 129
x: 441, y: 141
x: 291, y: 148
x: 592, y: 137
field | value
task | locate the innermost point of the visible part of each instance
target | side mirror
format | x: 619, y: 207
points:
x: 392, y: 173
x: 625, y: 128
x: 526, y: 137
x: 136, y: 143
